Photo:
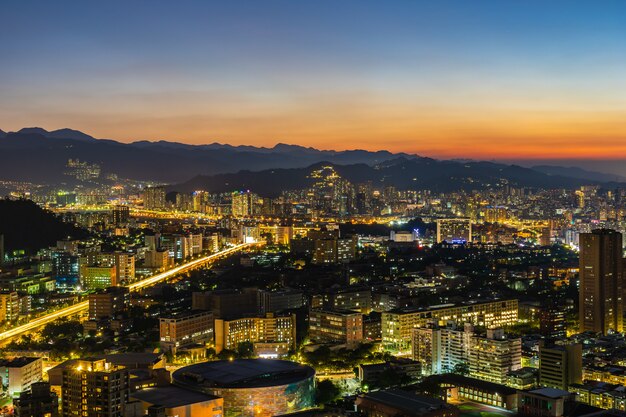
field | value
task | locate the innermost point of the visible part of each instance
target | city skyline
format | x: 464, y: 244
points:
x: 442, y: 80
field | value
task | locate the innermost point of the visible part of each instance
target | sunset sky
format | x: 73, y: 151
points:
x: 476, y: 79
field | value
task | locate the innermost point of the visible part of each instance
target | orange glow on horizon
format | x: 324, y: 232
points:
x: 486, y: 131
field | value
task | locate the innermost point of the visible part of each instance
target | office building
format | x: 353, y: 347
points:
x: 157, y: 259
x: 123, y: 262
x: 392, y: 403
x: 94, y: 388
x: 336, y: 326
x: 107, y: 303
x: 454, y: 230
x: 601, y: 306
x: 440, y: 350
x: 357, y: 298
x: 560, y: 365
x: 38, y: 401
x: 494, y: 356
x: 272, y: 335
x: 227, y: 304
x: 546, y: 402
x: 18, y: 374
x: 185, y: 329
x: 279, y: 300
x: 397, y: 325
x: 98, y: 277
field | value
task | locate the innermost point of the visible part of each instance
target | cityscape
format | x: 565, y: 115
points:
x: 312, y: 209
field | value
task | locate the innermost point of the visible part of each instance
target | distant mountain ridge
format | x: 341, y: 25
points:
x: 31, y: 155
x: 576, y: 172
x: 402, y: 173
x: 37, y: 155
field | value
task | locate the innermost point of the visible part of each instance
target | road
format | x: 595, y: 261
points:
x: 6, y: 336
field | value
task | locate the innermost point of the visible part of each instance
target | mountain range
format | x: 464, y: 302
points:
x: 38, y: 155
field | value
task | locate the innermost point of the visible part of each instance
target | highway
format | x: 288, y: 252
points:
x: 84, y: 305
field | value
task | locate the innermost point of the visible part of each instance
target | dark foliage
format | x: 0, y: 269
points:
x: 27, y: 226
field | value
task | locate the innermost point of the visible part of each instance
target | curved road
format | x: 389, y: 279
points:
x: 84, y: 305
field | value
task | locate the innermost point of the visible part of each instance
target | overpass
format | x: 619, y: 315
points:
x: 8, y: 335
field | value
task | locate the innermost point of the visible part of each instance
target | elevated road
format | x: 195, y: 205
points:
x: 34, y: 324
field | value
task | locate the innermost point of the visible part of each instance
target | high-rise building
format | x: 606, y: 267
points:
x: 357, y: 298
x: 66, y: 268
x: 552, y: 321
x: 243, y: 203
x: 120, y: 214
x: 601, y: 275
x: 494, y: 356
x: 9, y: 306
x: 560, y: 365
x: 94, y: 388
x: 454, y: 230
x: 154, y: 198
x: 439, y: 350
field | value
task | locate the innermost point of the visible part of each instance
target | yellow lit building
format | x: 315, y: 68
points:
x: 397, y: 325
x: 271, y: 335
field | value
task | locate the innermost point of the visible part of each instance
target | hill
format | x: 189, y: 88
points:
x: 419, y: 173
x: 27, y: 226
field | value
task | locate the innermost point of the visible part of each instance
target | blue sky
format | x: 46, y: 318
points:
x: 443, y: 78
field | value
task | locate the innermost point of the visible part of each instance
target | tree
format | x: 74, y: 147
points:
x: 461, y: 368
x: 327, y: 392
x: 245, y: 350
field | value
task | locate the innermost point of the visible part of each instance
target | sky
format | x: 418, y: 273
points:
x: 475, y: 79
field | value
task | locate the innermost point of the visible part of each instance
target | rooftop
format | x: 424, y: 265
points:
x: 551, y: 392
x: 243, y: 373
x: 405, y: 401
x: 17, y: 362
x: 171, y: 396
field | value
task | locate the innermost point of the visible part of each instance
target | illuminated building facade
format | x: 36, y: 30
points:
x: 109, y: 302
x: 9, y: 306
x: 98, y: 277
x: 397, y: 325
x: 336, y: 326
x: 601, y: 288
x: 252, y: 387
x: 454, y: 230
x: 18, y: 374
x: 272, y: 335
x: 560, y: 365
x: 494, y: 356
x: 185, y: 329
x: 94, y: 388
x: 154, y: 198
